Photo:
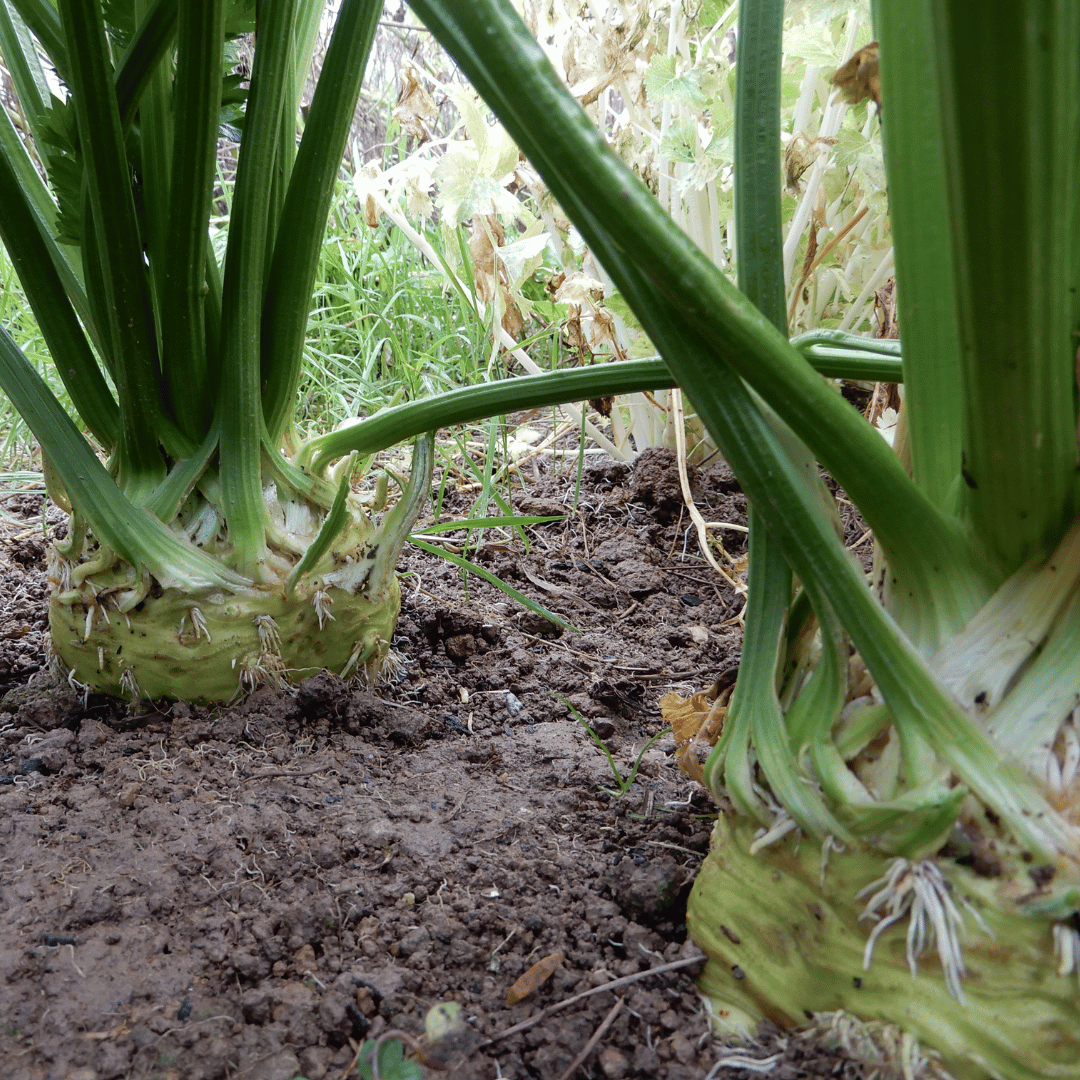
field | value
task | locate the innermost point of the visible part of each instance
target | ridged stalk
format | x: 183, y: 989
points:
x: 920, y: 220
x: 123, y: 280
x: 194, y: 160
x: 314, y: 176
x: 240, y: 393
x: 1011, y: 89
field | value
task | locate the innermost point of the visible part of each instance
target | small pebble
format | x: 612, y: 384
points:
x: 613, y: 1064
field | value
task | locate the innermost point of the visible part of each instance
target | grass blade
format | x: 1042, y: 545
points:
x: 487, y: 575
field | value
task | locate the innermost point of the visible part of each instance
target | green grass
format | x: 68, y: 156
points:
x: 383, y: 326
x: 19, y: 453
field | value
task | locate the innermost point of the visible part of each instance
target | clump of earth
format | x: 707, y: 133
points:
x: 251, y: 892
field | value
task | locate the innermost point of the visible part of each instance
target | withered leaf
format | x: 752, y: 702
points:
x: 859, y: 78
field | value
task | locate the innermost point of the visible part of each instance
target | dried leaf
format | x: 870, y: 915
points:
x: 487, y: 233
x: 885, y: 310
x: 578, y: 288
x: 371, y: 213
x: 513, y: 322
x: 695, y: 721
x: 534, y: 978
x: 414, y: 104
x: 860, y: 78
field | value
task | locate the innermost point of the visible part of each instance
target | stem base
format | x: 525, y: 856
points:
x: 784, y: 947
x: 217, y: 647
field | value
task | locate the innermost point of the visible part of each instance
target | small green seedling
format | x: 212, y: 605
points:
x: 623, y: 784
x: 392, y: 1063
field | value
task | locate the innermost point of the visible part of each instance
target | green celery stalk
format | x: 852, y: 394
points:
x: 239, y: 392
x: 1011, y: 89
x: 299, y: 241
x: 132, y: 334
x: 919, y: 214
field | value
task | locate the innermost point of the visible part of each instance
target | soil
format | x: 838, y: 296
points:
x: 251, y: 892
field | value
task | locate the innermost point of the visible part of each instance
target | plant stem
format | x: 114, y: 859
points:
x: 198, y: 97
x: 126, y: 291
x: 1011, y: 83
x: 919, y: 212
x: 240, y: 395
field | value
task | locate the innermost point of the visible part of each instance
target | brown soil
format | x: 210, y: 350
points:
x: 250, y: 892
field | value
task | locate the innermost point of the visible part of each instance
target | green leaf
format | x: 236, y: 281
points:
x: 615, y: 303
x: 680, y: 144
x: 392, y: 1063
x: 59, y: 142
x: 240, y: 17
x: 662, y: 84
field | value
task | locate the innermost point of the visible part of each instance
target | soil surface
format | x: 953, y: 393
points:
x: 251, y: 892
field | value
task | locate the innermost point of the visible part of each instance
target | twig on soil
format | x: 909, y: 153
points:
x: 453, y: 813
x: 274, y: 773
x: 677, y: 847
x: 675, y: 534
x: 556, y: 590
x: 590, y: 1046
x: 736, y: 1060
x: 73, y: 964
x: 862, y: 539
x: 639, y: 672
x: 626, y: 980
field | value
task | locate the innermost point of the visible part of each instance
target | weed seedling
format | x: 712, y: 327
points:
x: 623, y: 783
x: 392, y: 1063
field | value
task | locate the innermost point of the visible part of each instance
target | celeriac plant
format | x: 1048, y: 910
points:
x: 200, y: 561
x: 204, y: 558
x: 900, y: 757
